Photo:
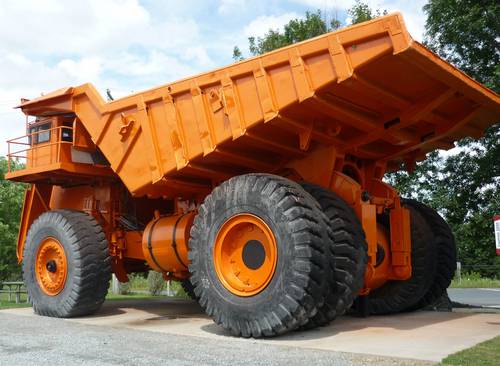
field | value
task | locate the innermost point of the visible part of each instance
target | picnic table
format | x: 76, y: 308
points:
x: 13, y: 288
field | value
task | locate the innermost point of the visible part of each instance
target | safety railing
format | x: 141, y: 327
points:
x: 15, y: 289
x: 29, y: 146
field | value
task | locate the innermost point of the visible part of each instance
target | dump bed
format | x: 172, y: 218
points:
x: 370, y: 90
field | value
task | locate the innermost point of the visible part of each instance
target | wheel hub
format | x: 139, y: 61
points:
x: 253, y: 254
x: 51, y: 266
x: 245, y: 255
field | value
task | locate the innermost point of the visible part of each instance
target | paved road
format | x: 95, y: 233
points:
x: 489, y: 297
x: 27, y: 340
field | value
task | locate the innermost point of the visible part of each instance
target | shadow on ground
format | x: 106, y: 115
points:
x: 165, y: 310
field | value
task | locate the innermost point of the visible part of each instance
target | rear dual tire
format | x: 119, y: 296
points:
x: 298, y: 285
x: 346, y: 252
x: 445, y: 254
x: 433, y: 258
x: 397, y: 296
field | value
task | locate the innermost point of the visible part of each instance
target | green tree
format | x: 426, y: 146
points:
x: 464, y: 187
x: 237, y: 55
x: 11, y: 198
x: 297, y: 30
x: 467, y: 33
x: 361, y: 12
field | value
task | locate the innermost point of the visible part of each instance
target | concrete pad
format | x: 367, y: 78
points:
x: 426, y: 336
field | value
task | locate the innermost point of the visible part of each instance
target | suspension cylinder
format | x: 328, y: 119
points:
x: 165, y: 244
x: 378, y: 275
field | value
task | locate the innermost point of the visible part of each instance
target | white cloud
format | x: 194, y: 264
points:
x: 153, y: 65
x: 23, y: 77
x: 30, y: 79
x: 88, y: 27
x: 320, y: 4
x: 229, y: 6
x: 35, y: 77
x: 49, y: 27
x: 116, y: 44
x: 130, y: 45
x: 80, y: 71
x: 261, y: 25
x: 199, y: 55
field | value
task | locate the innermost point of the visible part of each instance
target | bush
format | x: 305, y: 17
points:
x: 156, y: 283
x: 177, y: 290
x: 471, y: 276
x: 474, y: 280
x: 139, y: 281
x: 124, y: 288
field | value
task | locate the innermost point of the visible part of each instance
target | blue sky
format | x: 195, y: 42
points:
x: 130, y: 45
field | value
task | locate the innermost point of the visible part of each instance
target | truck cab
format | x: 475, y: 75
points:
x: 55, y: 146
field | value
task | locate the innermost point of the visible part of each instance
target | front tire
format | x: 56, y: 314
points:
x: 66, y: 264
x: 280, y: 215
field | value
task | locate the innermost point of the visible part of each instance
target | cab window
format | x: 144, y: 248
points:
x: 67, y: 132
x: 41, y: 134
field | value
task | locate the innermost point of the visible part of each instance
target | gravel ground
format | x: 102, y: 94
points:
x: 46, y: 341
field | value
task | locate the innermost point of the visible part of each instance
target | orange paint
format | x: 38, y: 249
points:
x: 165, y: 244
x: 245, y: 274
x: 381, y: 270
x: 338, y: 110
x: 51, y: 266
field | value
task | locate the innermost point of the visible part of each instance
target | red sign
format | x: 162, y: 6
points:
x: 496, y: 220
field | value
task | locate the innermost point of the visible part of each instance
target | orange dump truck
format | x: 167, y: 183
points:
x: 257, y: 185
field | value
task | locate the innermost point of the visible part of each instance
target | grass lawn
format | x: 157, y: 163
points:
x: 475, y: 282
x: 6, y: 304
x: 113, y: 297
x: 484, y: 354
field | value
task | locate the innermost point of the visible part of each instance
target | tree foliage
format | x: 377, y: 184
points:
x: 361, y: 12
x: 237, y: 55
x: 11, y: 198
x: 467, y: 34
x: 296, y: 30
x: 156, y: 283
x: 465, y: 186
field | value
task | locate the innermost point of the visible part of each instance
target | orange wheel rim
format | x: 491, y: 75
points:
x: 51, y: 266
x: 245, y: 255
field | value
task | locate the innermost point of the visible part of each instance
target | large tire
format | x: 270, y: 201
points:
x: 446, y: 253
x: 398, y: 296
x: 348, y: 255
x: 87, y: 262
x: 298, y: 285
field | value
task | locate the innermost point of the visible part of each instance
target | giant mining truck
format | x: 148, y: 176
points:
x: 259, y: 186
